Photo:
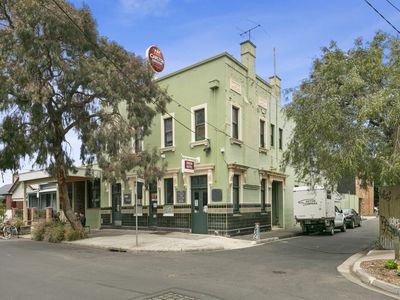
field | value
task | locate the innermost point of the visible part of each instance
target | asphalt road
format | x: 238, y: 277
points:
x: 298, y: 268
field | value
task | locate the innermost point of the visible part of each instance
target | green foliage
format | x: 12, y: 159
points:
x: 346, y: 114
x: 56, y: 78
x: 38, y: 231
x: 54, y: 232
x: 391, y: 264
x: 72, y: 234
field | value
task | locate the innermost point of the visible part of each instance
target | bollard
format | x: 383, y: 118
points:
x: 256, y: 235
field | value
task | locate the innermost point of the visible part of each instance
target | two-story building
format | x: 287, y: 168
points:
x: 223, y: 139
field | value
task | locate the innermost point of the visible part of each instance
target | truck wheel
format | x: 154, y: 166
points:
x: 343, y: 228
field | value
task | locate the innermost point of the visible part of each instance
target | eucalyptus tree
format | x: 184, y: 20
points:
x: 347, y: 114
x: 57, y: 75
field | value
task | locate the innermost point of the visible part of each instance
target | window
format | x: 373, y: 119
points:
x: 139, y: 192
x: 93, y: 196
x: 47, y: 199
x: 33, y: 200
x: 168, y: 132
x: 199, y: 124
x: 262, y: 134
x: 235, y: 193
x: 235, y: 122
x: 169, y: 191
x: 272, y: 135
x: 138, y: 143
x: 263, y: 194
x: 280, y: 138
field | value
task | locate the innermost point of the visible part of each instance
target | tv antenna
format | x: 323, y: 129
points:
x: 249, y: 31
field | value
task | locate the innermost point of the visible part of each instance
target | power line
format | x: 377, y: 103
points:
x: 126, y: 77
x: 394, y: 6
x: 382, y: 16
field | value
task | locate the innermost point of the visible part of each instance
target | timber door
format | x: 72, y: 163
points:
x: 199, y: 199
x: 116, y: 204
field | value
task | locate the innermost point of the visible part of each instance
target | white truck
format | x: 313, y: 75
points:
x: 315, y: 210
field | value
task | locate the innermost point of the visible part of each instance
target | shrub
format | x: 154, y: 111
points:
x: 54, y: 233
x: 72, y: 234
x: 391, y: 264
x: 38, y: 231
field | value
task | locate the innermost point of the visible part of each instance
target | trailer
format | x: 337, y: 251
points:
x: 316, y: 211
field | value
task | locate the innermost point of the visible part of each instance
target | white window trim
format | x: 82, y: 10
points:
x: 241, y: 183
x: 265, y: 132
x: 170, y: 115
x: 239, y: 120
x: 193, y: 109
x: 162, y: 190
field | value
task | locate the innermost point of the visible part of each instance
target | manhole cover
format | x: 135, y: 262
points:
x: 171, y: 296
x: 279, y: 272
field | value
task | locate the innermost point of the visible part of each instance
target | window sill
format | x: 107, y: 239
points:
x: 199, y: 143
x: 237, y: 214
x: 167, y: 149
x: 236, y: 142
x: 262, y: 150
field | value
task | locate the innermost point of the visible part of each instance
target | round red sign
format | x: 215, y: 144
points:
x: 155, y: 58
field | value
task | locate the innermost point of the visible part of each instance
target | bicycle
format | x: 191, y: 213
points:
x: 8, y: 230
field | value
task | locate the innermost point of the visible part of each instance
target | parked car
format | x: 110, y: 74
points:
x: 353, y: 219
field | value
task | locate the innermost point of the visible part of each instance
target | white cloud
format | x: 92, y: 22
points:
x: 145, y: 7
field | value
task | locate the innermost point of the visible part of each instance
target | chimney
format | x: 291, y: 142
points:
x: 248, y: 51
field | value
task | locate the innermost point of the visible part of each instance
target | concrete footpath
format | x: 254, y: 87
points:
x: 351, y: 269
x: 165, y: 241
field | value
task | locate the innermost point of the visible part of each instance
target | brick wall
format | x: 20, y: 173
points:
x: 366, y: 199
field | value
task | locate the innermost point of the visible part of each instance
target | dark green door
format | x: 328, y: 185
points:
x: 116, y: 204
x: 199, y: 204
x: 153, y: 205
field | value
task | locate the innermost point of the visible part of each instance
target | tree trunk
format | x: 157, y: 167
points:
x: 63, y: 192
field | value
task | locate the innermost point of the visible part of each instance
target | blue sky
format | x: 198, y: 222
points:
x: 188, y: 31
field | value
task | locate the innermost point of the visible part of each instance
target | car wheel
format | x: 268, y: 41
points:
x: 359, y: 224
x: 343, y: 228
x: 352, y: 225
x: 332, y: 231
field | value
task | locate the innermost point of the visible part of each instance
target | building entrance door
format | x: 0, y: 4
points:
x: 277, y: 204
x: 199, y: 201
x: 116, y: 204
x: 153, y: 203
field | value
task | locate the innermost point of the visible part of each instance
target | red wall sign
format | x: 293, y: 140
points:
x: 187, y: 166
x: 155, y: 58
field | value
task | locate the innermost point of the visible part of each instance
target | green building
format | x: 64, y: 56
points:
x: 223, y: 139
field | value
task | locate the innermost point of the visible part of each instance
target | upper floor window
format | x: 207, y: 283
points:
x: 199, y: 123
x: 262, y: 134
x: 272, y: 135
x: 168, y: 132
x: 138, y: 143
x: 280, y: 138
x: 235, y: 122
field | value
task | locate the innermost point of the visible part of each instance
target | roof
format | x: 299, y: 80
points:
x: 5, y: 189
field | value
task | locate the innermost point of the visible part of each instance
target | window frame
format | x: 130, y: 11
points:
x: 163, y: 132
x: 193, y: 122
x: 262, y: 134
x: 236, y: 202
x: 272, y: 136
x: 280, y: 138
x: 237, y: 125
x: 93, y: 190
x: 171, y: 180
